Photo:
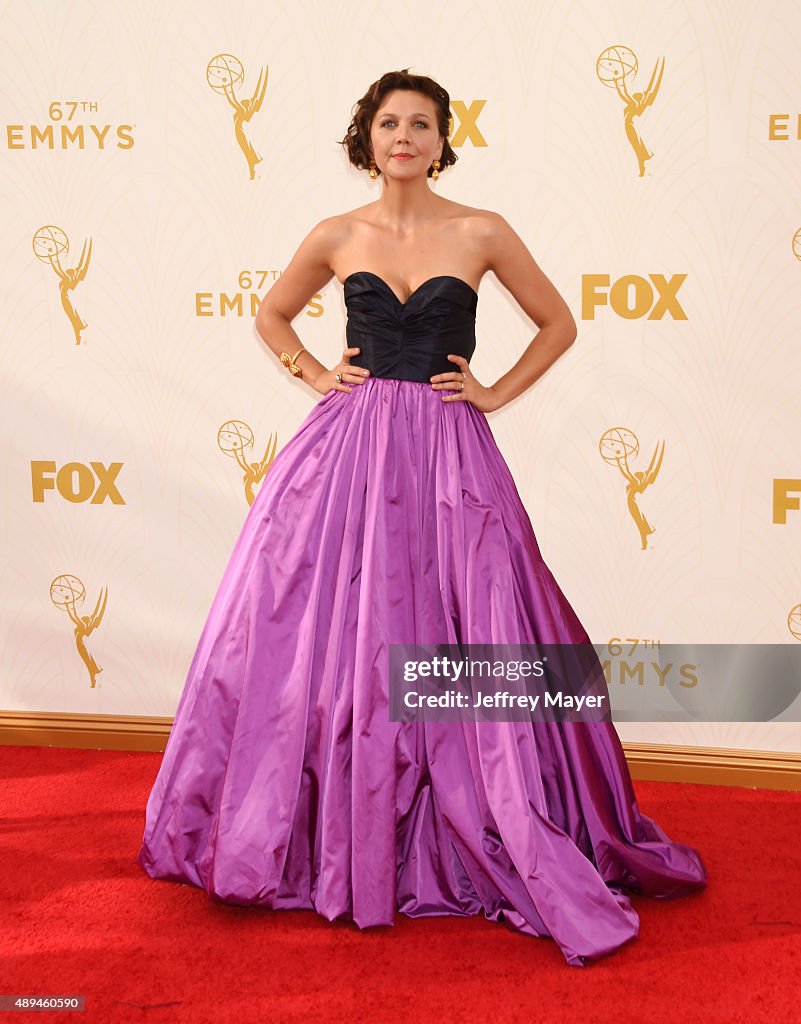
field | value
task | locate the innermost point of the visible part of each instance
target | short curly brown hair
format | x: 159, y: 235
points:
x: 357, y: 138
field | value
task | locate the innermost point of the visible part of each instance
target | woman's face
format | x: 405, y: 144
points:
x: 406, y: 122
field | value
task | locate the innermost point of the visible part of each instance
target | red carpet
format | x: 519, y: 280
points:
x: 81, y: 917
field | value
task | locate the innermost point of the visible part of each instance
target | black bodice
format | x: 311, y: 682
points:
x: 409, y: 340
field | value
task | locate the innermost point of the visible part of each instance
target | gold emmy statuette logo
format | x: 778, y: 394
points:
x: 617, y: 446
x: 794, y: 621
x: 66, y: 591
x: 224, y: 73
x: 613, y: 67
x: 235, y: 438
x: 51, y: 245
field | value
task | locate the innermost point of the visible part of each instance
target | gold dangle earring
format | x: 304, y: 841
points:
x: 435, y: 172
x: 373, y: 171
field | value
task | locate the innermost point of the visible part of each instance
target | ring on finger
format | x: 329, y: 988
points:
x: 338, y: 378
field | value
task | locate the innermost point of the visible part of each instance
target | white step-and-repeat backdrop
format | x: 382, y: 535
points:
x: 650, y: 157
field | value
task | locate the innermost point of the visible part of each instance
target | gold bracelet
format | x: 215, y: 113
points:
x: 290, y: 363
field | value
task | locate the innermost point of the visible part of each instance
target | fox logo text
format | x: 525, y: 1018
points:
x: 632, y: 296
x: 77, y: 482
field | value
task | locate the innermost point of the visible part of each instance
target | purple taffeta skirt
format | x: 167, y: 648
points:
x: 392, y: 517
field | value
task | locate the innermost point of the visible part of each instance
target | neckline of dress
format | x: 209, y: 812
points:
x: 437, y: 277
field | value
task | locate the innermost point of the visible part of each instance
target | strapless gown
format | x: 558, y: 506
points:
x: 391, y: 517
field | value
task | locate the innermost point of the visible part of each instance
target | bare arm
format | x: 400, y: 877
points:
x: 307, y: 273
x: 516, y: 269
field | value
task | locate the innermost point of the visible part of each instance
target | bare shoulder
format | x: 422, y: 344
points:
x: 350, y: 219
x: 470, y: 219
x: 489, y: 226
x: 335, y: 233
x: 329, y: 233
x: 499, y: 241
x: 309, y: 270
x: 505, y: 253
x: 317, y: 248
x: 482, y: 231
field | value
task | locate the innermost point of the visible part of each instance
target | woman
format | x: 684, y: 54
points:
x: 391, y: 518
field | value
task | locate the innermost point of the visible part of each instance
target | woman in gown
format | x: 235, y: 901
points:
x: 391, y: 517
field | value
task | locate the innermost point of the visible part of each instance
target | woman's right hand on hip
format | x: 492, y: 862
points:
x: 349, y: 375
